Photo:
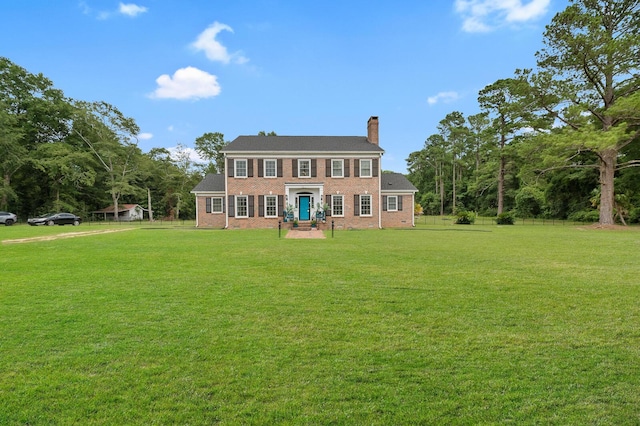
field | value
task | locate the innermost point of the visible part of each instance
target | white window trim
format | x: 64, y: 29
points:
x: 300, y: 168
x: 221, y: 205
x: 341, y: 168
x: 238, y: 197
x: 362, y: 197
x: 275, y: 168
x: 266, y: 209
x: 333, y: 200
x: 370, y: 161
x: 389, y: 197
x: 246, y: 168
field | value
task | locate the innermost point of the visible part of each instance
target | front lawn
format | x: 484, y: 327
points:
x: 437, y: 325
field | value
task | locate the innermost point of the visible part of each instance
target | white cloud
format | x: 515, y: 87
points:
x: 145, y: 136
x: 131, y: 9
x: 213, y: 49
x: 486, y: 15
x: 445, y: 97
x: 187, y: 83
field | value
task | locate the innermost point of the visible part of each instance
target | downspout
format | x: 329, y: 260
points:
x: 226, y: 195
x: 380, y: 192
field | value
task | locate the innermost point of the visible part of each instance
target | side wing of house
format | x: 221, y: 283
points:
x: 211, y: 211
x: 398, y: 199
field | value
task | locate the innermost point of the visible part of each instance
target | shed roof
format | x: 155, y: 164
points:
x: 212, y: 182
x: 396, y: 182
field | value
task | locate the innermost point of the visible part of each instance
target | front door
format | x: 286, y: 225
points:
x: 305, y: 211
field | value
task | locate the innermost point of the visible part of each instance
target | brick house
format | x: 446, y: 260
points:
x: 268, y: 178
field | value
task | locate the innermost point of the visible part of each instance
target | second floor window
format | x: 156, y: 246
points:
x: 270, y: 168
x: 365, y: 168
x: 337, y: 168
x: 241, y: 168
x: 304, y: 168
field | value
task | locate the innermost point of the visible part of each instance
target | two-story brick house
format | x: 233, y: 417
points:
x: 268, y: 176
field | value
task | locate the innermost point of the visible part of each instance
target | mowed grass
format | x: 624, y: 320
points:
x: 437, y: 325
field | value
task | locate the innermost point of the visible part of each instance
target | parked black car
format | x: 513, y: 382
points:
x: 8, y: 218
x: 55, y: 219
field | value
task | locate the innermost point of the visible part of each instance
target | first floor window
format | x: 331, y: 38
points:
x: 242, y: 206
x: 215, y: 205
x: 365, y: 205
x: 271, y: 205
x: 392, y: 203
x: 337, y: 208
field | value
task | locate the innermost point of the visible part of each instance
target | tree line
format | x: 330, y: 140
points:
x: 558, y: 141
x: 61, y: 154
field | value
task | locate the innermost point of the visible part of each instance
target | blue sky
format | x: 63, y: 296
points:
x: 181, y: 68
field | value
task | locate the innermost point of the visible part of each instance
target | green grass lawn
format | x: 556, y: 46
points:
x: 437, y: 325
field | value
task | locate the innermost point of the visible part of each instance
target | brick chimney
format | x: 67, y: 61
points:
x: 372, y: 130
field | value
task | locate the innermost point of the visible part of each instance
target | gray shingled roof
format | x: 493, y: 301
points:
x: 395, y: 182
x: 210, y: 183
x: 283, y: 144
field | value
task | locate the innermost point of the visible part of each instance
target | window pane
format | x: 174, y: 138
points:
x: 365, y: 168
x: 392, y: 203
x: 241, y: 168
x: 216, y: 205
x: 336, y: 168
x: 241, y: 207
x: 270, y: 168
x: 337, y: 205
x: 365, y: 205
x: 271, y: 206
x: 304, y: 168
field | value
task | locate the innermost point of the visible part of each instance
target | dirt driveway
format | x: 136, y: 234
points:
x: 64, y: 235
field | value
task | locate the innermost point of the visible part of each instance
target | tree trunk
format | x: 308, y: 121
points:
x: 608, y: 160
x: 149, y: 204
x: 501, y: 185
x: 116, y: 213
x: 441, y: 192
x: 4, y: 202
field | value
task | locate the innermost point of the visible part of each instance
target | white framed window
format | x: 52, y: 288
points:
x: 216, y: 205
x: 337, y: 168
x: 392, y: 203
x: 304, y: 168
x: 270, y: 168
x: 365, y: 168
x: 240, y: 168
x: 337, y: 205
x: 365, y: 205
x: 242, y: 206
x: 270, y: 206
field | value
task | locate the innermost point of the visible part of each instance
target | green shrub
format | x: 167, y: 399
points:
x: 585, y: 216
x: 505, y: 219
x: 464, y: 217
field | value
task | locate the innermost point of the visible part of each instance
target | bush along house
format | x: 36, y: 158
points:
x: 303, y: 179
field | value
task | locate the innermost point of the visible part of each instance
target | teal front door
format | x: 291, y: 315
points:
x: 305, y: 210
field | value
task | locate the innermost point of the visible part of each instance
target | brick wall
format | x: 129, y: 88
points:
x: 346, y: 186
